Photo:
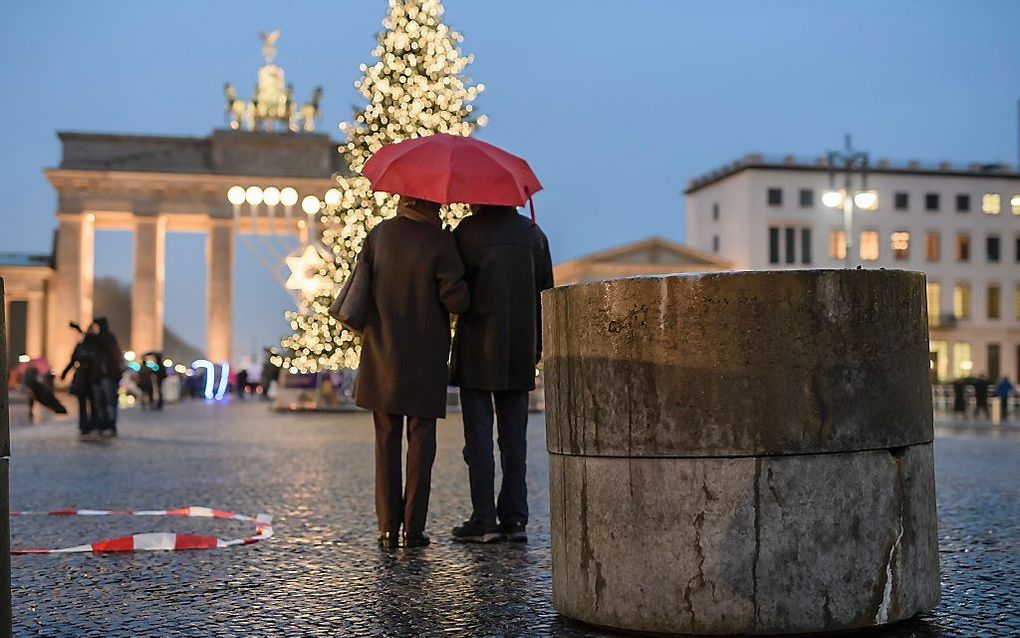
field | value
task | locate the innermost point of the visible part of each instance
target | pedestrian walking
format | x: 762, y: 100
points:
x: 107, y: 378
x: 981, y: 385
x: 959, y: 398
x: 84, y: 363
x: 417, y: 282
x: 1004, y: 389
x: 242, y: 383
x: 497, y: 345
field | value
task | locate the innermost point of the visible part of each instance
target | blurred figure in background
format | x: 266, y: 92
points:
x: 1004, y: 390
x: 84, y: 362
x: 981, y: 385
x: 107, y: 377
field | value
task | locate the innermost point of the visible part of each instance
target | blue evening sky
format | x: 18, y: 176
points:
x: 616, y: 105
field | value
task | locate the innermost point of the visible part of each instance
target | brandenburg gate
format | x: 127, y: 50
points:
x: 154, y: 185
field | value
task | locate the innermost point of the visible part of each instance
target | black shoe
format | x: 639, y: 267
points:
x: 515, y: 532
x: 388, y: 540
x: 419, y: 539
x: 477, y: 532
x: 109, y: 433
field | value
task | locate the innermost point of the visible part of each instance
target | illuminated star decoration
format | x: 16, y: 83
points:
x: 304, y: 272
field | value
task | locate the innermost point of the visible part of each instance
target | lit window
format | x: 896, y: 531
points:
x: 991, y: 203
x: 901, y: 245
x: 963, y: 247
x: 934, y: 303
x: 962, y: 364
x: 961, y: 301
x: 1017, y: 302
x: 932, y: 246
x: 869, y: 245
x: 1014, y: 203
x: 994, y: 302
x: 939, y: 354
x: 837, y: 244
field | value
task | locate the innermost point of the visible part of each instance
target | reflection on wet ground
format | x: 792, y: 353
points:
x: 323, y: 576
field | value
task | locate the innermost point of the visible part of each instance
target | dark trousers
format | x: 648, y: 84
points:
x: 512, y: 426
x: 86, y: 409
x: 412, y: 506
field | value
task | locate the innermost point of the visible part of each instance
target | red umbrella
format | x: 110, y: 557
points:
x: 452, y: 169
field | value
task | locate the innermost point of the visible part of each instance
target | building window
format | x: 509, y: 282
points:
x: 1014, y: 203
x: 715, y: 243
x: 805, y: 245
x: 991, y: 203
x: 932, y: 246
x: 869, y: 245
x: 963, y: 247
x: 837, y: 244
x: 901, y: 245
x: 994, y: 361
x: 963, y: 203
x: 791, y: 245
x: 773, y: 245
x: 994, y: 302
x: 931, y: 202
x: 775, y: 197
x: 1017, y: 250
x: 939, y: 356
x: 1016, y: 302
x: 901, y: 201
x: 961, y: 301
x: 993, y: 248
x: 962, y: 364
x: 934, y: 303
x: 807, y: 198
x: 715, y: 212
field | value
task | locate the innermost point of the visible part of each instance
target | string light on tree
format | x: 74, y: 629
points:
x: 414, y: 88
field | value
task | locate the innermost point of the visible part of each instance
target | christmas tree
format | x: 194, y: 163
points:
x: 415, y: 88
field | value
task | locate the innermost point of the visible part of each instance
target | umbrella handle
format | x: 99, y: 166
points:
x: 531, y: 205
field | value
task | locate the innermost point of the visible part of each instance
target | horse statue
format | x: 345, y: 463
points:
x: 304, y: 119
x: 240, y: 113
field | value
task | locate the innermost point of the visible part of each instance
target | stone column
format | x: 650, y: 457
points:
x: 219, y: 259
x: 70, y: 296
x: 147, y: 285
x: 6, y: 616
x: 741, y: 453
x: 35, y: 328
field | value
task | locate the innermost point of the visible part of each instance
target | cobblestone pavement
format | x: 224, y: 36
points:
x: 322, y: 575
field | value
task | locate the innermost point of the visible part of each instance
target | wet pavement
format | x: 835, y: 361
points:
x: 322, y: 574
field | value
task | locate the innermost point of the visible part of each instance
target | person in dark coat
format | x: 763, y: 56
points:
x: 981, y: 386
x: 107, y: 377
x: 83, y: 362
x: 417, y: 283
x: 497, y: 345
x: 960, y: 398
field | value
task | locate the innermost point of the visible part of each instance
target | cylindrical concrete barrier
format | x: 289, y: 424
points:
x: 741, y: 453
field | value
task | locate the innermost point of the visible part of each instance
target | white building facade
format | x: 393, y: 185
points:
x: 960, y: 225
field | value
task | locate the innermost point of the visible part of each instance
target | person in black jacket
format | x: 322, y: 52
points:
x: 497, y: 345
x: 84, y: 363
x: 106, y: 380
x: 417, y: 282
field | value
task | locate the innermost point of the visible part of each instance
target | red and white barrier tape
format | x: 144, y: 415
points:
x: 158, y: 541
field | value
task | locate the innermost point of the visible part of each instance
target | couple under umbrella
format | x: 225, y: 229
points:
x: 411, y: 275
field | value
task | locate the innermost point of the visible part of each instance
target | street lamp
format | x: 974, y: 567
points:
x: 848, y: 161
